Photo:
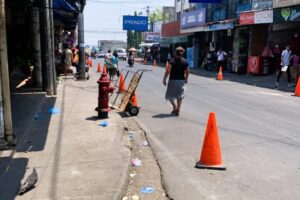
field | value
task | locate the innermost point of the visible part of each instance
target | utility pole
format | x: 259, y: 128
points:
x: 48, y: 84
x: 81, y: 46
x: 175, y: 10
x: 148, y: 14
x: 4, y: 74
x: 37, y: 45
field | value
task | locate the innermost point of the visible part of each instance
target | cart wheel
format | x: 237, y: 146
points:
x: 133, y: 111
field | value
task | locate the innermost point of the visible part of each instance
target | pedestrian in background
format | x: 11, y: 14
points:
x: 111, y: 64
x: 75, y: 61
x: 179, y: 73
x: 294, y: 69
x: 221, y: 58
x: 67, y: 57
x: 285, y: 64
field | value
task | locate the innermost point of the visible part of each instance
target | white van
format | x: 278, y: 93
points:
x: 122, y: 54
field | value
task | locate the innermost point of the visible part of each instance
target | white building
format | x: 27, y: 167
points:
x: 105, y: 45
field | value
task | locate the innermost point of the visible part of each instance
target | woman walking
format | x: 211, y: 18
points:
x: 178, y: 72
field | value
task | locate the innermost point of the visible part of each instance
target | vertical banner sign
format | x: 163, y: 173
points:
x: 205, y: 1
x: 135, y: 23
x: 190, y: 57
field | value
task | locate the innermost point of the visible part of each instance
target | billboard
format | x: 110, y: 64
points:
x: 157, y: 26
x: 205, y: 1
x: 192, y: 19
x: 284, y: 3
x: 151, y: 36
x: 136, y: 23
x: 168, y: 14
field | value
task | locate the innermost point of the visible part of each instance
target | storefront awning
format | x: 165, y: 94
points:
x: 66, y: 11
x: 212, y: 26
x: 166, y: 41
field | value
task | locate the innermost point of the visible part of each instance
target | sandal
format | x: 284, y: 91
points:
x: 175, y: 113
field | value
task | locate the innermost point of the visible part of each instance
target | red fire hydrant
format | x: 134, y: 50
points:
x: 103, y: 99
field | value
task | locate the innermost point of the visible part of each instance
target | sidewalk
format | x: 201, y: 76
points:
x: 74, y: 157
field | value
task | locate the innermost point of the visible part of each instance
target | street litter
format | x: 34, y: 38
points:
x: 29, y: 183
x: 133, y: 175
x: 125, y: 198
x: 130, y: 135
x: 135, y: 197
x: 147, y: 190
x: 136, y: 162
x: 29, y: 148
x: 53, y: 110
x: 103, y: 124
x: 145, y: 143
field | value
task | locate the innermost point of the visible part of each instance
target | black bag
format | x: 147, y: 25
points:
x: 118, y: 72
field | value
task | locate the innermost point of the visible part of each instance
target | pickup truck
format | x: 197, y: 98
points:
x: 122, y: 54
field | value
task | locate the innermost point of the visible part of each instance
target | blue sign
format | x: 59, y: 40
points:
x: 136, y: 23
x: 216, y: 27
x: 190, y: 57
x: 192, y: 19
x: 205, y: 1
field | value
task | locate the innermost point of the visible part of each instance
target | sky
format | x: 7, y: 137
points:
x: 103, y: 18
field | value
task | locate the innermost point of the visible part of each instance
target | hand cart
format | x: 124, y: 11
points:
x: 126, y: 105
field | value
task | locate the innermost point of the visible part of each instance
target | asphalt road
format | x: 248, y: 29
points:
x: 258, y: 130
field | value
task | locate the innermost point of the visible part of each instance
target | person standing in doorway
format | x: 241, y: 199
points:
x: 67, y: 58
x: 221, y: 58
x: 285, y: 63
x: 179, y: 73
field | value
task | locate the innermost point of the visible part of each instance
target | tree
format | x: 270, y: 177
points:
x: 129, y: 39
x: 156, y: 15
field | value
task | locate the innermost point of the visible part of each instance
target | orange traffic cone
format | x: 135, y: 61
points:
x: 99, y: 67
x: 133, y: 100
x: 154, y: 62
x: 104, y: 70
x: 211, y: 157
x: 91, y: 63
x: 122, y: 86
x: 297, y: 91
x: 145, y: 61
x: 220, y: 74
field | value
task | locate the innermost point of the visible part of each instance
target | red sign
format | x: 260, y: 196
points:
x: 171, y: 29
x: 247, y: 18
x: 253, y: 64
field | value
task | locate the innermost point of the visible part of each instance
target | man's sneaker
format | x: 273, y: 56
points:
x: 277, y: 83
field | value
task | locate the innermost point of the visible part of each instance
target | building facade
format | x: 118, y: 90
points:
x: 252, y: 32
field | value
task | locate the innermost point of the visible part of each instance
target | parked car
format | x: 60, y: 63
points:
x: 122, y: 54
x: 101, y: 54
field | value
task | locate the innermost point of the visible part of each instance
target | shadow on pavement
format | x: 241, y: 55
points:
x: 31, y: 120
x: 12, y: 172
x: 93, y: 118
x: 162, y: 116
